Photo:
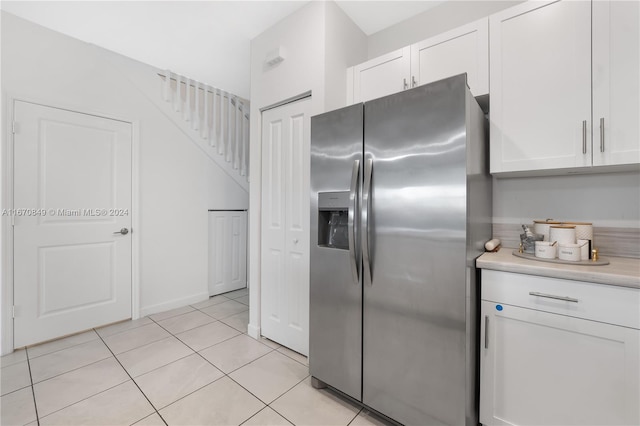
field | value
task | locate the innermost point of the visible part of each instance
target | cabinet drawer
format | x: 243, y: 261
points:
x: 596, y: 302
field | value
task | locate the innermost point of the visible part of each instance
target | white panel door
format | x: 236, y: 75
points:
x: 285, y: 225
x: 539, y: 368
x: 540, y: 78
x: 464, y: 49
x: 382, y: 76
x: 616, y: 82
x: 72, y: 266
x: 227, y: 251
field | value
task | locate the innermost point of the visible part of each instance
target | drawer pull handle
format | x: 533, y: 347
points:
x: 551, y: 296
x: 486, y: 332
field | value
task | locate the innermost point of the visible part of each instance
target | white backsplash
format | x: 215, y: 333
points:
x: 611, y: 201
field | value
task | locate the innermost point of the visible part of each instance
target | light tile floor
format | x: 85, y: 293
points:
x: 189, y: 366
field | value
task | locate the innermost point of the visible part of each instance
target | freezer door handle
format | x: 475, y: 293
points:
x: 366, y: 208
x: 352, y: 224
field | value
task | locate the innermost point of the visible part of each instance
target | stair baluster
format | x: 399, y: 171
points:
x: 205, y: 115
x: 217, y: 116
x: 195, y: 119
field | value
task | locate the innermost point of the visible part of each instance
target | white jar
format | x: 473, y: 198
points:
x: 562, y: 234
x: 570, y: 252
x: 542, y: 227
x: 584, y: 230
x: 546, y: 249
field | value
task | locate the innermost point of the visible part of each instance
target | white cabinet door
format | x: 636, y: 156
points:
x: 465, y: 49
x: 286, y: 139
x: 616, y: 82
x: 227, y: 251
x: 382, y: 76
x: 539, y: 368
x: 540, y: 78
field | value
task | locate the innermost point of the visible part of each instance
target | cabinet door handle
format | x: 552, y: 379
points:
x: 602, y: 134
x: 486, y: 332
x: 584, y: 136
x: 414, y: 83
x: 552, y: 296
x: 404, y: 84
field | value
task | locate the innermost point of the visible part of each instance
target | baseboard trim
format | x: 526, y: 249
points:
x: 173, y: 304
x: 253, y: 331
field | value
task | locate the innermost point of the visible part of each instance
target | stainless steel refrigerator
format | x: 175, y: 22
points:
x: 400, y: 209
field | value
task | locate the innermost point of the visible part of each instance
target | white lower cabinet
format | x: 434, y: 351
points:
x: 544, y: 366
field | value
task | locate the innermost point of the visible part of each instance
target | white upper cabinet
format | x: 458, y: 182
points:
x: 540, y: 113
x: 616, y: 82
x: 381, y: 76
x: 464, y: 49
x: 545, y: 80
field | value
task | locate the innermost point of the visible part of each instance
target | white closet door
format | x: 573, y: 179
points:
x: 227, y: 251
x: 72, y: 265
x: 285, y: 225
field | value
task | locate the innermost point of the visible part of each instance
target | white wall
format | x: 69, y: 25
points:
x: 177, y: 182
x: 346, y: 45
x: 607, y: 200
x: 444, y: 17
x: 319, y: 41
x: 301, y: 36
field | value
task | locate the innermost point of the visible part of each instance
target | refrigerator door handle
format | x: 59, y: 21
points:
x: 353, y: 205
x: 366, y: 204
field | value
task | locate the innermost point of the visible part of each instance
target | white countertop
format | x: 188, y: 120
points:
x: 620, y: 271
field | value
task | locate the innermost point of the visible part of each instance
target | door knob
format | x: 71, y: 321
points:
x: 295, y: 241
x: 123, y: 231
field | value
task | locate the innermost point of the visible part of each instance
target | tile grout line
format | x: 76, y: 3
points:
x: 33, y: 391
x: 201, y: 356
x: 121, y: 331
x: 290, y: 357
x: 225, y: 317
x: 283, y: 393
x: 81, y: 400
x: 356, y: 416
x: 268, y: 404
x: 224, y: 374
x: 62, y: 349
x: 136, y: 384
x: 69, y: 371
x: 231, y: 378
x: 172, y: 316
x: 265, y: 407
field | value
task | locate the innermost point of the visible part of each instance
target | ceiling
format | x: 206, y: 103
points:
x: 205, y: 40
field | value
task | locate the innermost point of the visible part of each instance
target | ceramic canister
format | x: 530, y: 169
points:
x: 569, y: 252
x: 584, y: 230
x: 563, y: 234
x: 542, y: 227
x: 546, y: 249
